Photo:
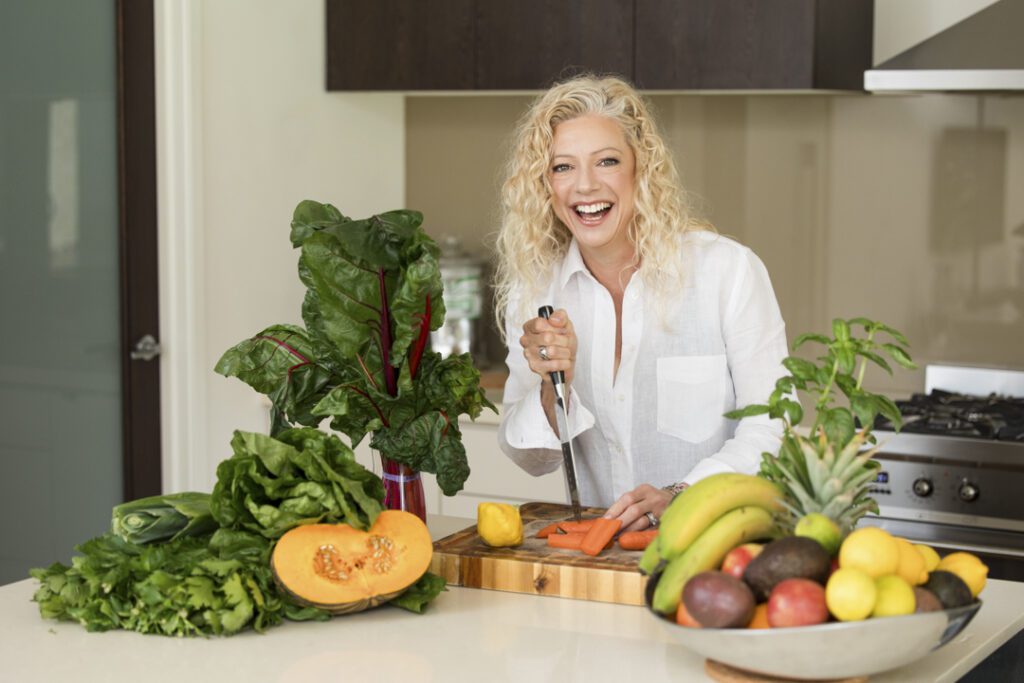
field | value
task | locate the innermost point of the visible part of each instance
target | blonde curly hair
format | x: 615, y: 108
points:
x: 532, y: 239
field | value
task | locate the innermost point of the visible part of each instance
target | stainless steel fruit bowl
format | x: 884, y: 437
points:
x: 833, y: 650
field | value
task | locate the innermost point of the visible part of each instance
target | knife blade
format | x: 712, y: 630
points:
x: 562, y: 417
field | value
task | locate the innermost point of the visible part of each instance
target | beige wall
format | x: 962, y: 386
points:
x: 271, y: 135
x: 896, y: 208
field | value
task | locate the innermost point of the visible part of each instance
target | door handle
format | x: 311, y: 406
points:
x: 146, y: 348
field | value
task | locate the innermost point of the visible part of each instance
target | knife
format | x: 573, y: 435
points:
x: 562, y: 415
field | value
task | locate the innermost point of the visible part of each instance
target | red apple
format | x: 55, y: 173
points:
x: 736, y: 561
x: 797, y: 602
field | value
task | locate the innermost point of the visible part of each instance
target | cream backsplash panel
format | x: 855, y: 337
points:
x: 853, y: 202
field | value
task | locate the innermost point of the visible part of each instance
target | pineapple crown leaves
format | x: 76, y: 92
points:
x: 827, y: 471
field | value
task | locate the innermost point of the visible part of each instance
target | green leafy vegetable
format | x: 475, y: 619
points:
x: 159, y: 518
x: 216, y: 584
x: 302, y: 476
x: 415, y: 599
x: 373, y: 296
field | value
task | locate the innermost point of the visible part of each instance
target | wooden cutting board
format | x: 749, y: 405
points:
x: 463, y: 559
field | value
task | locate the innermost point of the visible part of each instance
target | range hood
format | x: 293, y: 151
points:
x: 982, y: 53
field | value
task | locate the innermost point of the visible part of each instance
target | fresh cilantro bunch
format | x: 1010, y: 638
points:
x: 207, y: 585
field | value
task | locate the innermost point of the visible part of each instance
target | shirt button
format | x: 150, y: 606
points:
x: 621, y: 397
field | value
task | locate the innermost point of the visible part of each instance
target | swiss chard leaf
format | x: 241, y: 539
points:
x: 373, y: 294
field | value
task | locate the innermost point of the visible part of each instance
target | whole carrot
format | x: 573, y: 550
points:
x: 599, y: 535
x: 565, y: 541
x: 637, y: 540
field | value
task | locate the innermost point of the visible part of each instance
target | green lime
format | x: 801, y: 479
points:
x: 822, y: 529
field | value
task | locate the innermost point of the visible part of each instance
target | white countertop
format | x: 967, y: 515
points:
x: 465, y: 635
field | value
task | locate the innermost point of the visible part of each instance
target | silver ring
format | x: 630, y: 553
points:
x: 543, y: 351
x: 652, y: 519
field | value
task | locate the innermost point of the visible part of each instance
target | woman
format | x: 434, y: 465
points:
x: 661, y: 324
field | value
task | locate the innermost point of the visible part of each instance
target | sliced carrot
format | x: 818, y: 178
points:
x: 580, y: 527
x: 565, y: 541
x: 600, y: 535
x: 547, y: 531
x: 637, y: 540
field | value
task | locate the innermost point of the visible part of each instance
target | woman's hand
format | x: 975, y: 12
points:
x: 632, y: 507
x: 557, y: 338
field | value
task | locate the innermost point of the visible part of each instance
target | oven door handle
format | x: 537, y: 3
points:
x: 972, y: 548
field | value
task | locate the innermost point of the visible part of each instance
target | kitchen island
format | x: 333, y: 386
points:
x: 465, y: 635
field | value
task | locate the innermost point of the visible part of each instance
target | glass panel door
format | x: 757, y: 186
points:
x: 60, y: 382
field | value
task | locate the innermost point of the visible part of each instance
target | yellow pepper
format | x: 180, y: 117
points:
x: 499, y: 524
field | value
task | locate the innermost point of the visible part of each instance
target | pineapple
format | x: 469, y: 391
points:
x: 830, y: 470
x: 815, y: 478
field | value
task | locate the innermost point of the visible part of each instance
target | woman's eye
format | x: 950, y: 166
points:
x: 609, y: 161
x: 560, y: 168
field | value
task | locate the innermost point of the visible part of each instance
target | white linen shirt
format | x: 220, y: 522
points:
x: 718, y: 344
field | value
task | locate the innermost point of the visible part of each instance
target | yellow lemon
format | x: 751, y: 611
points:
x: 850, y: 594
x: 872, y: 550
x: 499, y: 524
x: 911, y: 564
x: 895, y: 597
x: 968, y: 567
x: 931, y: 558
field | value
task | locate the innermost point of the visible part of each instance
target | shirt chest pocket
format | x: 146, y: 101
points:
x: 691, y: 396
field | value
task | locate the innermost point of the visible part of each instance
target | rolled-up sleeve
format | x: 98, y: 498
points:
x: 755, y: 341
x: 525, y: 435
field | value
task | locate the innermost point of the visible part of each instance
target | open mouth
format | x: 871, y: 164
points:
x: 592, y: 213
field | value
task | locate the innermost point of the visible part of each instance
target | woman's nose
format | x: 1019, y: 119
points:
x: 586, y: 180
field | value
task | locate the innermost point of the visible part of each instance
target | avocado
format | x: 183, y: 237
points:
x: 791, y: 557
x: 949, y: 588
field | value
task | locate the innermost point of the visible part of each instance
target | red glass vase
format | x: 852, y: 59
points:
x: 403, y: 488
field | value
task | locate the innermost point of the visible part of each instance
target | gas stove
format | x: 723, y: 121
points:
x: 954, y: 475
x: 947, y: 413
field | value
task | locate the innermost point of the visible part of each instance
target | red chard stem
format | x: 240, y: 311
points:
x: 421, y: 341
x: 390, y: 381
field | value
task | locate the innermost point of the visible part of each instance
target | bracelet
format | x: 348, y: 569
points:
x: 675, y: 489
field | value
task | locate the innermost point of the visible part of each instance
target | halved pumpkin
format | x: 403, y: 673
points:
x: 344, y: 570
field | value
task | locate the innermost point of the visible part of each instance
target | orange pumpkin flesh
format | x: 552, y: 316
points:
x: 344, y: 570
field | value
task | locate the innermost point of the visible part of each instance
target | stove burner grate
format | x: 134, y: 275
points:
x: 951, y: 414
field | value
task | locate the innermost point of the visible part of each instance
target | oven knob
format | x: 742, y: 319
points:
x: 923, y: 487
x: 968, y: 492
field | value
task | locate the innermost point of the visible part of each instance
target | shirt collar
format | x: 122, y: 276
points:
x: 572, y: 263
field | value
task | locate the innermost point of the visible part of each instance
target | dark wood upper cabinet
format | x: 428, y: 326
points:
x: 752, y: 44
x: 659, y: 44
x: 529, y: 44
x: 400, y: 44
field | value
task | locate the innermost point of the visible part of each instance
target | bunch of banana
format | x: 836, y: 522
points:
x: 702, y: 525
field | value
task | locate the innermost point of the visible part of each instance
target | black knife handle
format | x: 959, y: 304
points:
x: 557, y: 377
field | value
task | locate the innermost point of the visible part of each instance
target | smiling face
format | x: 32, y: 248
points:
x: 591, y: 177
